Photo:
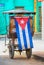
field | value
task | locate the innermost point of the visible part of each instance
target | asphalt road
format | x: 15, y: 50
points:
x: 22, y: 60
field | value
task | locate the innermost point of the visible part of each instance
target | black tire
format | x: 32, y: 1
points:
x: 29, y: 53
x: 11, y: 50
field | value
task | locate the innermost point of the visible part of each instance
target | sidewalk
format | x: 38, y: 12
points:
x: 39, y: 54
x: 37, y: 50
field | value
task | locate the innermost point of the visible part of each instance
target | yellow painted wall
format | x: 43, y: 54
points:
x: 35, y: 15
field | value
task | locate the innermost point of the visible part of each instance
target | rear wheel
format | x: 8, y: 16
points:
x: 11, y: 50
x: 29, y: 53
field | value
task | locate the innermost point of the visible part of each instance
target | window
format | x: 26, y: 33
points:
x: 19, y: 7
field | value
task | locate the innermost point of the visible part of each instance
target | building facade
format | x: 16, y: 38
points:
x: 30, y: 5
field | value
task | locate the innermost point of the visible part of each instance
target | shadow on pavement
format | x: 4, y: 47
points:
x: 38, y: 58
x: 20, y: 58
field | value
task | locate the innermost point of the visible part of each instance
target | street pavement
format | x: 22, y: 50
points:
x: 36, y: 59
x: 22, y: 60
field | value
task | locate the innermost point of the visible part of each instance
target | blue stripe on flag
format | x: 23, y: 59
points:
x: 27, y: 37
x: 18, y: 35
x: 30, y: 35
x: 24, y: 38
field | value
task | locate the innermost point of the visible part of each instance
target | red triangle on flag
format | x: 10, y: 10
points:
x: 22, y: 21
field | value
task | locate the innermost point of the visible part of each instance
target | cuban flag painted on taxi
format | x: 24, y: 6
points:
x: 23, y: 33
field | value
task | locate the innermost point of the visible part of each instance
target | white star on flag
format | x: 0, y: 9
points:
x: 22, y: 21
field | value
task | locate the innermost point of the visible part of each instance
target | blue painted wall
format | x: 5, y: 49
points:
x: 27, y: 4
x: 9, y: 5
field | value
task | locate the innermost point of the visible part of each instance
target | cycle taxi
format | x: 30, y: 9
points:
x: 20, y: 29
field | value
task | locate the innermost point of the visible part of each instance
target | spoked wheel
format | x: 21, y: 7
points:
x: 11, y: 50
x: 29, y: 53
